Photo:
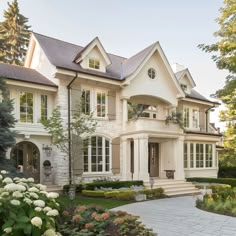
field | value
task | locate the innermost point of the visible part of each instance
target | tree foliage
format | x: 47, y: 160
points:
x: 224, y: 50
x: 14, y: 35
x: 7, y: 120
x: 224, y: 54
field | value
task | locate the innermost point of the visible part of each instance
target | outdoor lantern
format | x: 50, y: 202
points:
x: 71, y: 192
x: 47, y: 149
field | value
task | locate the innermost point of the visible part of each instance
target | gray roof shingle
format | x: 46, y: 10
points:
x: 23, y: 74
x: 195, y: 95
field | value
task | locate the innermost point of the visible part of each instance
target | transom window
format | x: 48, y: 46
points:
x: 26, y: 107
x: 44, y: 107
x: 97, y: 155
x: 85, y: 101
x: 101, y: 104
x: 94, y: 64
x: 151, y: 73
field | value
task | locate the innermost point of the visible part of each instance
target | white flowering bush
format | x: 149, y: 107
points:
x: 26, y: 208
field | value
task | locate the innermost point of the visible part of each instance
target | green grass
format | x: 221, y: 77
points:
x: 65, y: 202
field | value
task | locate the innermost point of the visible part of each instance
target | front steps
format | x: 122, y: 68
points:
x: 174, y: 187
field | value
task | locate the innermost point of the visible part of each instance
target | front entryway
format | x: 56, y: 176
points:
x: 153, y: 159
x: 26, y: 158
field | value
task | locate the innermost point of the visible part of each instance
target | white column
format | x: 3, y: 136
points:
x: 179, y: 159
x: 143, y: 158
x: 124, y: 112
x: 136, y: 159
x: 126, y: 174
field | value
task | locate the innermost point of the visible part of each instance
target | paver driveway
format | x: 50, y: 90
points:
x: 179, y: 217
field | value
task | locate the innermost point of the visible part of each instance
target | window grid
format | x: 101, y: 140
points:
x: 186, y: 117
x: 101, y: 104
x: 85, y: 101
x: 185, y: 155
x: 26, y: 107
x: 94, y: 64
x: 199, y: 155
x: 195, y: 120
x: 191, y: 155
x: 209, y: 155
x: 44, y: 107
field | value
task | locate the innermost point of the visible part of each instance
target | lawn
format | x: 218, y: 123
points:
x: 65, y: 202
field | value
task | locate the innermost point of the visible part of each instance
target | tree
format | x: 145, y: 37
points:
x: 14, y: 35
x: 224, y: 54
x: 7, y: 120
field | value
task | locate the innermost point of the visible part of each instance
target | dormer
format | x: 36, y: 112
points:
x: 93, y: 57
x: 184, y: 78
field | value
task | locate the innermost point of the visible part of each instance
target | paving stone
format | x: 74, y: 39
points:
x: 179, y: 216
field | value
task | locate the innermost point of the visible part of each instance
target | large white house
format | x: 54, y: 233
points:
x: 126, y: 145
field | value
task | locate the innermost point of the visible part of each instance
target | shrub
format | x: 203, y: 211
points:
x: 78, y: 188
x: 113, y: 184
x: 94, y: 220
x: 91, y: 193
x: 111, y: 194
x: 125, y: 195
x: 26, y: 208
x: 227, y: 172
x: 153, y: 193
x: 228, y: 181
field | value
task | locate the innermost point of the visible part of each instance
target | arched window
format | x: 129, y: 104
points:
x: 97, y: 155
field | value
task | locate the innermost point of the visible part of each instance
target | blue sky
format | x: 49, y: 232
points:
x: 127, y: 26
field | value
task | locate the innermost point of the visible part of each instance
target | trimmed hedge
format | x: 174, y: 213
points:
x: 113, y: 184
x: 229, y: 181
x: 91, y: 193
x: 227, y: 172
x: 153, y: 193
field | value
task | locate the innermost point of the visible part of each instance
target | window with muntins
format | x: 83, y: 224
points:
x: 44, y: 107
x: 97, y: 155
x: 26, y: 107
x: 85, y: 101
x: 195, y: 120
x: 101, y: 104
x: 209, y: 155
x: 94, y: 64
x: 185, y: 155
x: 186, y: 117
x: 191, y: 155
x: 199, y: 155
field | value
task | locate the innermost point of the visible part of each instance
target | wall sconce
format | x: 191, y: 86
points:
x: 47, y: 149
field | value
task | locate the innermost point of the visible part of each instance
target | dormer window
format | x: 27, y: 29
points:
x: 184, y: 87
x: 94, y: 64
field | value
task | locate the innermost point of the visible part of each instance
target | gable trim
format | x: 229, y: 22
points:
x: 190, y: 78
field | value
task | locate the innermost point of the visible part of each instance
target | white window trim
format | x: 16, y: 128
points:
x: 191, y: 118
x: 95, y: 59
x: 89, y: 172
x: 106, y: 104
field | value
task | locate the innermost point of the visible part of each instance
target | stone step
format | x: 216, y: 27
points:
x: 183, y: 193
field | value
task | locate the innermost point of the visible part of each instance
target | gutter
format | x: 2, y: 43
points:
x: 69, y: 126
x: 206, y: 112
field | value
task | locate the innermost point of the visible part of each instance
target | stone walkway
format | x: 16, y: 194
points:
x: 179, y: 217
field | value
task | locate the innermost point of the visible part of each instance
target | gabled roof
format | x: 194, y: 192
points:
x: 180, y: 74
x: 23, y: 74
x: 85, y: 51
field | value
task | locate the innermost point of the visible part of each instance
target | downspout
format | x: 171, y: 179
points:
x: 206, y: 112
x: 69, y: 124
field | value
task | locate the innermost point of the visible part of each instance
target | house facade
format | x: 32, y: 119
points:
x: 151, y: 121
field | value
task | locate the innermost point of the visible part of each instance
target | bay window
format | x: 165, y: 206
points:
x: 26, y: 107
x: 191, y: 117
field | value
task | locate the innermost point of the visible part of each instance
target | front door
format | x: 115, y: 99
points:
x: 26, y: 158
x: 153, y: 159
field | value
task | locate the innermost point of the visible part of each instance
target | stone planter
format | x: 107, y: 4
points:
x: 140, y: 197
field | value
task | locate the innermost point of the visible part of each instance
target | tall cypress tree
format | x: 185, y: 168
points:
x: 7, y: 120
x: 14, y: 35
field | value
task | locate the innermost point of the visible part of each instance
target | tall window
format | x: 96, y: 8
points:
x: 101, y: 104
x: 195, y: 121
x: 97, y: 155
x: 94, y: 64
x: 185, y: 155
x: 85, y: 101
x: 44, y: 107
x: 209, y: 154
x: 186, y: 117
x: 199, y: 155
x: 191, y: 155
x: 26, y: 107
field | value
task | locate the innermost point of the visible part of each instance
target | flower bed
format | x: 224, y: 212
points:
x: 94, y: 220
x: 26, y: 208
x: 222, y: 201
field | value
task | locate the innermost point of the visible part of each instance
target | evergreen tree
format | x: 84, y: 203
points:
x: 7, y: 120
x: 14, y: 35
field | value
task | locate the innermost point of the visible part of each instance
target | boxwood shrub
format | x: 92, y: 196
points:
x: 228, y: 181
x: 113, y: 184
x: 91, y: 193
x: 153, y: 193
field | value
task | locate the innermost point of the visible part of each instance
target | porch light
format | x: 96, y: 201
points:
x: 47, y: 149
